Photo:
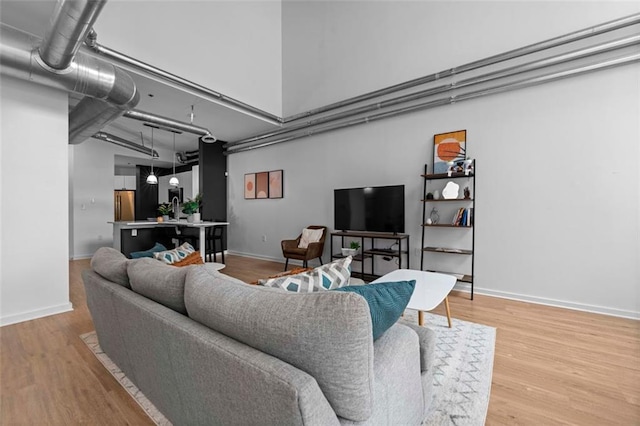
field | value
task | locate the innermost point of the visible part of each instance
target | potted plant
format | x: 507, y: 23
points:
x: 163, y: 210
x: 354, y: 246
x: 191, y: 208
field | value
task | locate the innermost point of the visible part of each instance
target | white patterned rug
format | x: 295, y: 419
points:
x: 462, y: 382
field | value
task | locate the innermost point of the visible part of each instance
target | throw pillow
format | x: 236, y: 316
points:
x: 310, y: 236
x: 387, y: 301
x: 193, y: 259
x: 326, y: 277
x: 147, y: 253
x: 171, y: 256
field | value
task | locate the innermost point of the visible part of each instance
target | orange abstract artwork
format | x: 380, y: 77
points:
x: 250, y: 186
x: 262, y: 185
x: 448, y: 147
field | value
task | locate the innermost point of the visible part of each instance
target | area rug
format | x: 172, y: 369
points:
x: 463, y: 370
x: 462, y: 382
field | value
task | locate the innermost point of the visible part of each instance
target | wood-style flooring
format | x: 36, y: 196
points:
x: 552, y: 366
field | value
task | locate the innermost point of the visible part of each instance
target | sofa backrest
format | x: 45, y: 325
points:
x: 111, y: 265
x: 326, y: 334
x: 159, y: 282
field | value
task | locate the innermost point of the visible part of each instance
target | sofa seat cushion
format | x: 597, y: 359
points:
x: 326, y: 334
x: 111, y: 265
x: 159, y: 282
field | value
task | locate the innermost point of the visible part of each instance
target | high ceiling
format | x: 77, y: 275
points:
x: 156, y: 97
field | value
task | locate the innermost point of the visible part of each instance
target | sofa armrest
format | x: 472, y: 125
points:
x: 427, y: 339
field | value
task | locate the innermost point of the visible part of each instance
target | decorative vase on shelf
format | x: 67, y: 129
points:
x: 190, y: 218
x: 349, y: 252
x: 196, y: 217
x: 165, y: 217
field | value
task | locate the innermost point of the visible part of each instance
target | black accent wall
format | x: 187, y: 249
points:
x: 146, y: 195
x: 213, y: 181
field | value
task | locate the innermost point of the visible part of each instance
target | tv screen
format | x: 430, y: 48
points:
x: 371, y: 209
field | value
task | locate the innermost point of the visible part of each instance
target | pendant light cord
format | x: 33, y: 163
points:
x: 174, y: 154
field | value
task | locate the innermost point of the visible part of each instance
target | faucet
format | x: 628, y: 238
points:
x: 175, y: 206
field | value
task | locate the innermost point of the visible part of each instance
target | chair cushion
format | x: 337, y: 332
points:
x: 171, y: 256
x: 159, y: 282
x: 325, y: 277
x: 387, y: 301
x: 326, y: 334
x: 147, y: 253
x: 310, y: 236
x: 111, y: 265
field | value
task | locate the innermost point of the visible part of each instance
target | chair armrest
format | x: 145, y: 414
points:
x: 315, y: 250
x: 427, y: 339
x: 289, y: 244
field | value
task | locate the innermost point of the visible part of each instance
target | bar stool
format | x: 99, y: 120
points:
x: 214, y: 234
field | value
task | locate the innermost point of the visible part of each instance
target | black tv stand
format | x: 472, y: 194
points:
x: 368, y: 251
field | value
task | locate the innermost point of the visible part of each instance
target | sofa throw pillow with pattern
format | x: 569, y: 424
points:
x: 177, y: 254
x: 310, y: 236
x: 326, y: 277
x: 194, y: 258
x: 387, y: 301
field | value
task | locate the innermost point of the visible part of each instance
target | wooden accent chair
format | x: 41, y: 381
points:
x: 290, y: 249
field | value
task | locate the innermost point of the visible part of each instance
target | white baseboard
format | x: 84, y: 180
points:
x: 38, y: 313
x: 465, y: 287
x: 81, y: 256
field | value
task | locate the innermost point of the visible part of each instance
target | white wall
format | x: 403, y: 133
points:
x: 242, y: 58
x: 557, y: 207
x: 34, y: 268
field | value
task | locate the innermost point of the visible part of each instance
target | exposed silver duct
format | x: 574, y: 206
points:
x: 521, y: 84
x: 188, y: 157
x: 512, y: 54
x: 107, y: 137
x: 114, y: 90
x: 480, y: 79
x: 136, y: 64
x: 69, y: 25
x: 205, y: 134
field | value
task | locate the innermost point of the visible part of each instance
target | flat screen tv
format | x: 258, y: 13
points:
x: 370, y: 209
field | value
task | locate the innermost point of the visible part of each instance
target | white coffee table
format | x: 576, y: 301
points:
x: 431, y: 288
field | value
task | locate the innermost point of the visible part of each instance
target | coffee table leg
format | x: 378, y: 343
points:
x: 446, y: 305
x: 420, y: 318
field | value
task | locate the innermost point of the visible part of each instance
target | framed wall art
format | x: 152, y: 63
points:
x: 451, y: 146
x: 275, y: 184
x: 262, y: 185
x: 250, y: 186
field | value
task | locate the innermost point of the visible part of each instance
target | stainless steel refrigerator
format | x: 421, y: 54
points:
x: 124, y: 206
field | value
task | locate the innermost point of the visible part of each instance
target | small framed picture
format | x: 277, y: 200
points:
x: 250, y: 186
x: 262, y: 185
x: 275, y: 184
x: 448, y: 147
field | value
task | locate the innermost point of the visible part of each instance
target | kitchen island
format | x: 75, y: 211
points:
x: 142, y: 235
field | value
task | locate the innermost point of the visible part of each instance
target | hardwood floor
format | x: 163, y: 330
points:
x: 552, y: 365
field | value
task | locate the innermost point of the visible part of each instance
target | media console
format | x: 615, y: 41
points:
x: 370, y: 243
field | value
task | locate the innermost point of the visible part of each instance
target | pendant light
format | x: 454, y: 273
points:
x: 152, y: 179
x: 174, y: 180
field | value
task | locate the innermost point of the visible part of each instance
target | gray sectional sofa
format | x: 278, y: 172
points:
x: 207, y: 349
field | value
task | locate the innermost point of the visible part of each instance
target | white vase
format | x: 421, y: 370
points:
x: 196, y: 217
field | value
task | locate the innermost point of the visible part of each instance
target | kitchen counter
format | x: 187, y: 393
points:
x: 119, y: 227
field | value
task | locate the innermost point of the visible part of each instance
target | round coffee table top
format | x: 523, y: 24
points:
x: 431, y: 287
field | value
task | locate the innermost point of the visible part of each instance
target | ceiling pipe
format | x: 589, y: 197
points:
x: 69, y: 25
x: 188, y: 157
x: 502, y: 57
x: 116, y: 140
x: 128, y: 61
x: 171, y: 124
x: 499, y: 88
x: 480, y: 79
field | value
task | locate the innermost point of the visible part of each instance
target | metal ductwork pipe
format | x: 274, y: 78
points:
x: 114, y: 90
x: 69, y: 25
x: 107, y: 137
x: 205, y: 134
x: 188, y: 156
